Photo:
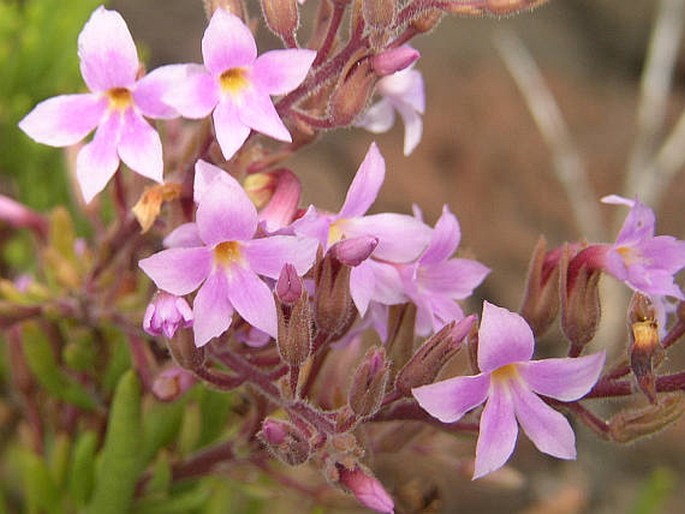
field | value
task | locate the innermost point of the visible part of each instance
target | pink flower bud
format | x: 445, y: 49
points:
x: 366, y: 488
x: 171, y: 383
x: 289, y: 286
x: 285, y: 441
x: 394, y: 60
x: 354, y: 251
x: 368, y: 383
x: 165, y: 314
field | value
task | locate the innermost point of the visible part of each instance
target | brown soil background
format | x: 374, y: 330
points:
x: 482, y: 154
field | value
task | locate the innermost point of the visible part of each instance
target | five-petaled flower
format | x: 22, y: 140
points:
x: 509, y: 383
x: 645, y: 262
x: 220, y: 256
x: 236, y: 84
x: 116, y: 106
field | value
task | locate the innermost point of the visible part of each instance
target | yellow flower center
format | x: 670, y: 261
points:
x: 233, y: 80
x: 119, y: 98
x: 627, y: 254
x: 227, y: 253
x: 505, y: 373
x: 335, y: 232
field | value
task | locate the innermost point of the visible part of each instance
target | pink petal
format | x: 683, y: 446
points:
x: 387, y: 284
x: 504, y: 337
x: 184, y: 236
x: 152, y: 88
x: 315, y: 225
x: 564, y: 379
x: 362, y: 282
x: 253, y: 300
x: 444, y: 240
x: 205, y: 174
x: 402, y: 238
x: 256, y: 110
x: 231, y: 133
x: 498, y: 432
x: 456, y: 278
x: 365, y: 185
x: 178, y: 270
x: 226, y: 213
x: 64, y: 120
x: 280, y: 71
x: 378, y: 118
x: 227, y: 43
x: 548, y: 429
x: 406, y: 87
x: 640, y: 224
x: 212, y: 310
x: 140, y: 147
x: 107, y: 52
x: 413, y: 127
x: 448, y: 400
x: 268, y: 255
x: 444, y: 311
x: 195, y: 95
x: 98, y: 160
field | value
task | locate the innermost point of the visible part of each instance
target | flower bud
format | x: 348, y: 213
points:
x: 285, y: 441
x: 580, y: 306
x: 394, y: 59
x: 368, y: 383
x: 540, y: 304
x: 282, y: 17
x: 353, y: 92
x: 366, y: 488
x: 236, y: 7
x: 165, y: 314
x: 644, y: 343
x: 281, y: 208
x: 426, y: 20
x: 433, y: 354
x: 185, y: 353
x: 172, y: 383
x: 631, y: 424
x: 20, y: 216
x: 334, y: 309
x: 294, y: 317
x: 379, y: 14
x: 354, y: 251
x: 149, y: 205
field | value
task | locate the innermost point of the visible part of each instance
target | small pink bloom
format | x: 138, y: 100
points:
x: 116, y: 106
x: 510, y: 384
x: 402, y: 92
x: 165, y: 314
x: 172, y: 383
x: 236, y: 85
x: 219, y: 256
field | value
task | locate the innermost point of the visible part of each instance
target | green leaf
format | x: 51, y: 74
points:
x: 120, y: 464
x: 40, y: 491
x: 161, y: 425
x: 82, y: 472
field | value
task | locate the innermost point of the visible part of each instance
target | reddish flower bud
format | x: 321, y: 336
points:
x: 165, y: 314
x: 644, y: 343
x: 353, y: 92
x: 540, y: 304
x: 334, y: 310
x: 433, y: 354
x: 394, y: 60
x: 172, y: 383
x: 379, y: 14
x: 631, y: 424
x: 185, y: 353
x: 285, y: 441
x: 366, y: 488
x: 282, y: 205
x: 294, y: 317
x: 580, y: 305
x: 368, y: 383
x: 282, y: 17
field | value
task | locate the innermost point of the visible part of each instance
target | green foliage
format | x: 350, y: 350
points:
x: 38, y: 60
x: 654, y: 492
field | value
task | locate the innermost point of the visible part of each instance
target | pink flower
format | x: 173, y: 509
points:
x: 220, y: 256
x: 236, y: 84
x: 645, y: 262
x: 116, y: 106
x: 435, y: 281
x: 367, y: 489
x: 509, y: 384
x: 401, y: 238
x: 402, y: 92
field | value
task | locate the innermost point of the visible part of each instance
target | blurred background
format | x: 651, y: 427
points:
x: 481, y: 153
